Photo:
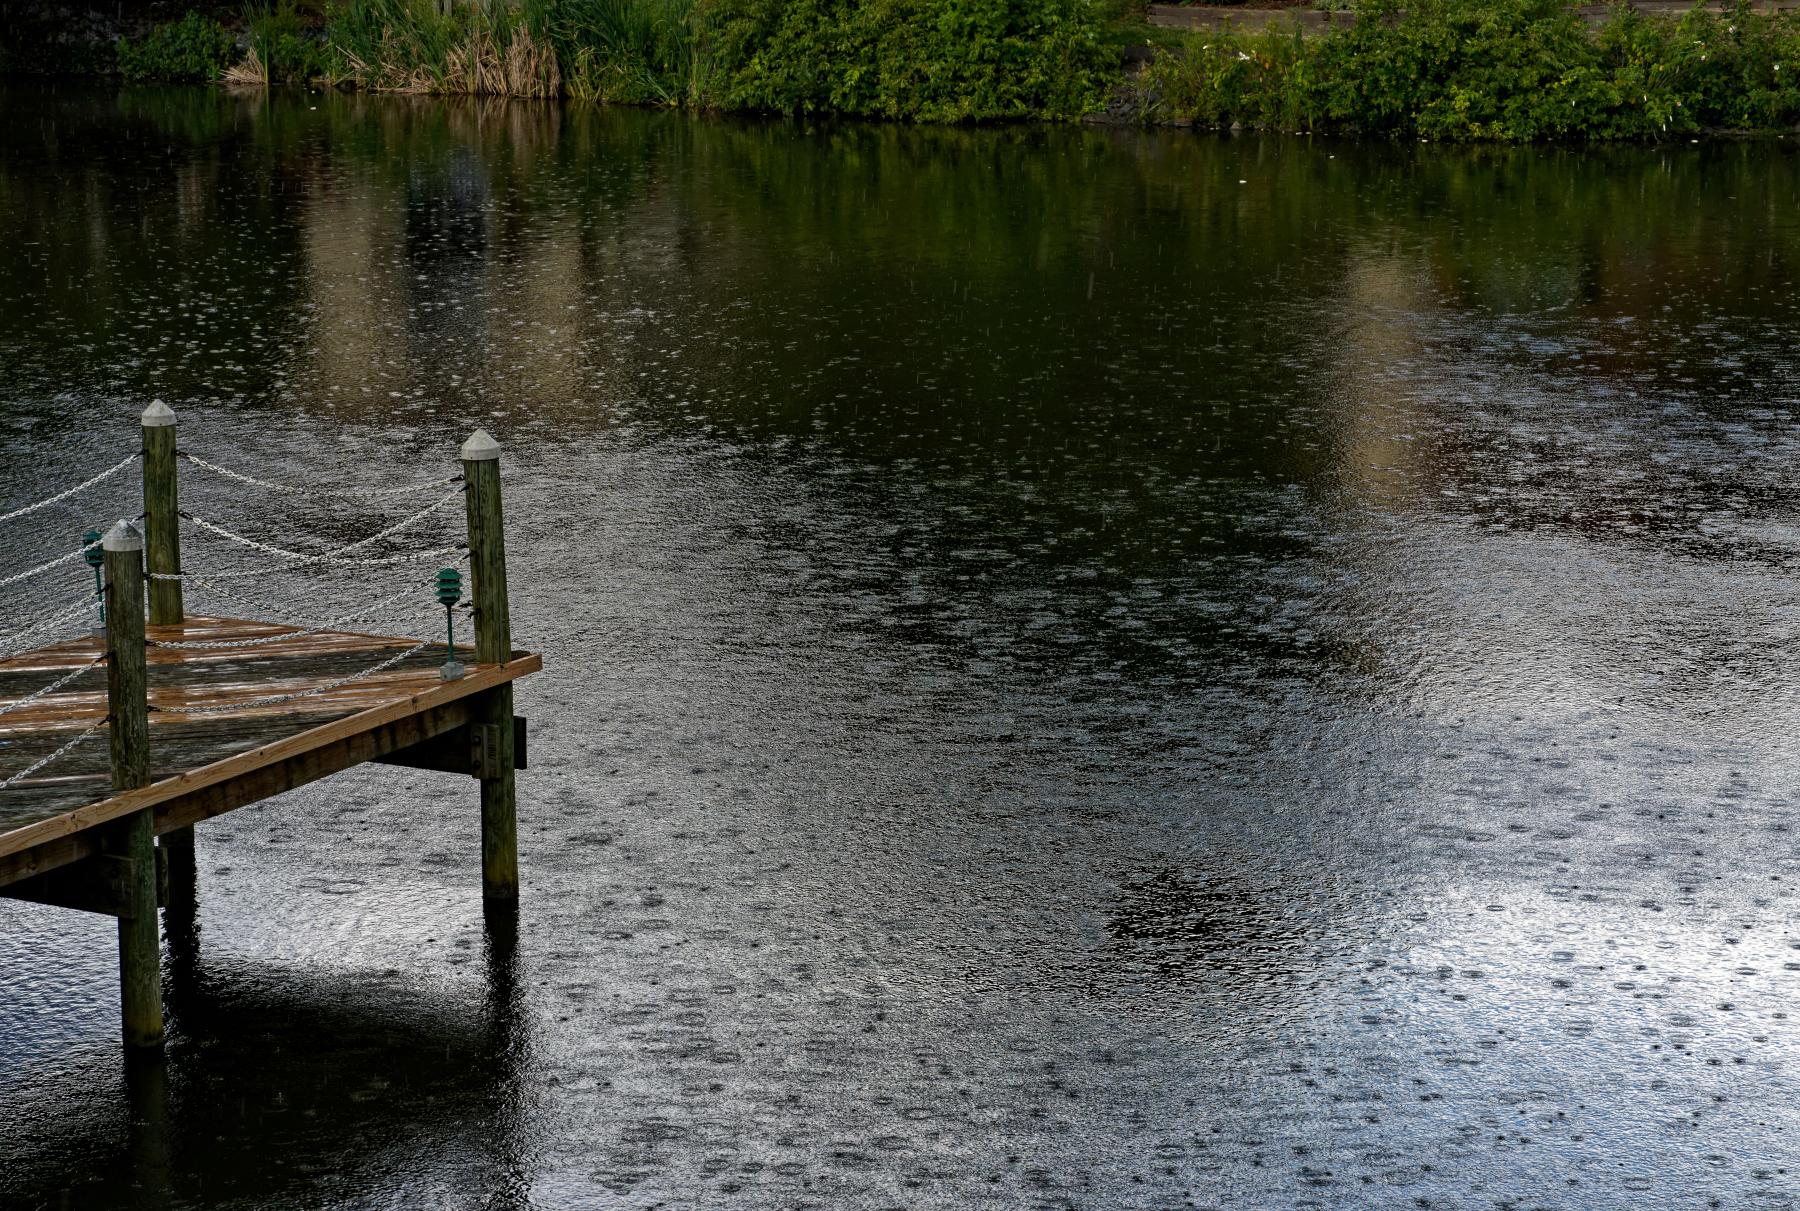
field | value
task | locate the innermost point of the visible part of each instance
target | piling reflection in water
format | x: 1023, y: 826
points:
x: 1115, y: 669
x: 277, y: 1085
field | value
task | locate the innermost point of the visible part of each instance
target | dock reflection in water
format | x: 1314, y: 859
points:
x: 1109, y: 669
x: 346, y: 1087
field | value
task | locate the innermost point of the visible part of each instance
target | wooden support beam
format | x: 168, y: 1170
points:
x: 466, y: 750
x: 130, y: 837
x: 103, y: 883
x: 493, y: 641
x: 100, y: 883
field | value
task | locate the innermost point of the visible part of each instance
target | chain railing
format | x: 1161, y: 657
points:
x: 314, y: 489
x: 35, y: 767
x: 80, y: 487
x: 54, y: 685
x: 12, y: 644
x: 77, y: 553
x: 19, y: 638
x: 335, y: 556
x: 355, y: 616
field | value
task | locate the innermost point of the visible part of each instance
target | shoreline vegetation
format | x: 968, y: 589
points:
x: 915, y: 60
x: 1463, y: 70
x: 1497, y: 70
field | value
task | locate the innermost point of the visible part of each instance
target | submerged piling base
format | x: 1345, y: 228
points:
x: 140, y: 943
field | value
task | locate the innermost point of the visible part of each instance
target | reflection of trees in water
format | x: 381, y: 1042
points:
x: 1043, y: 354
x: 282, y: 1088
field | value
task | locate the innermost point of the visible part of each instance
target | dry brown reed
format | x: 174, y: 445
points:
x: 249, y: 70
x: 479, y: 66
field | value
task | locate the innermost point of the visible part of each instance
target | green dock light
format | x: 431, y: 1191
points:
x: 449, y: 592
x: 96, y: 559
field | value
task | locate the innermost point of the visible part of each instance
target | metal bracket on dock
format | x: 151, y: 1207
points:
x: 484, y: 750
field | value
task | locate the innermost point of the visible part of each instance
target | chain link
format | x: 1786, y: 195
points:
x: 317, y: 689
x: 110, y: 471
x: 388, y: 562
x: 357, y: 616
x: 54, y: 685
x: 45, y: 567
x: 313, y: 489
x: 281, y: 611
x: 332, y: 555
x: 86, y: 603
x: 32, y: 769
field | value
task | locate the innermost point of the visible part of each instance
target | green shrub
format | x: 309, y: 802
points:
x: 1495, y: 69
x: 926, y: 60
x: 193, y: 48
x: 285, y: 46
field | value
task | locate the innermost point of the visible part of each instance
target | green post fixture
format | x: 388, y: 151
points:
x: 96, y: 559
x: 132, y: 837
x: 493, y: 645
x: 162, y: 552
x: 449, y: 592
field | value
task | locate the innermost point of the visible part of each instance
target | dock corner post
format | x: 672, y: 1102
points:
x: 162, y: 555
x: 162, y: 533
x: 132, y: 837
x: 493, y: 645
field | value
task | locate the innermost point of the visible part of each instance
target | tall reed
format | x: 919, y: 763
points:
x: 655, y: 51
x: 286, y: 45
x: 421, y: 46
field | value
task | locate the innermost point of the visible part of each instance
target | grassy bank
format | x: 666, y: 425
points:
x: 921, y: 60
x: 1509, y: 70
x: 1469, y: 70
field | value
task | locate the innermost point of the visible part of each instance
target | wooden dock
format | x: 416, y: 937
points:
x: 114, y: 746
x: 203, y: 765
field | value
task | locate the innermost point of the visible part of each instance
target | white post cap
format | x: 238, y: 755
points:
x: 480, y: 447
x: 123, y: 537
x: 157, y: 415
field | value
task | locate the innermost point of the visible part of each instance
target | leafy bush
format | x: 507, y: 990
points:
x: 193, y: 48
x: 928, y: 60
x: 1495, y: 69
x: 285, y: 46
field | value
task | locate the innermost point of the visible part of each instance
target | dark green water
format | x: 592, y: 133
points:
x: 1083, y: 669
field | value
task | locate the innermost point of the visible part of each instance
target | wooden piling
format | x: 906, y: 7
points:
x: 162, y: 534
x: 162, y: 554
x: 132, y: 837
x: 493, y: 644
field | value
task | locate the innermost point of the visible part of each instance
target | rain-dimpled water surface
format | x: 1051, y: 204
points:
x: 1082, y: 669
